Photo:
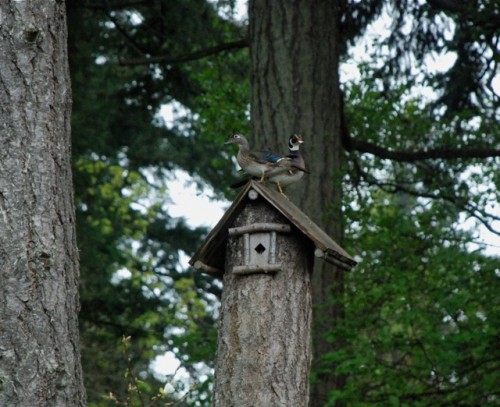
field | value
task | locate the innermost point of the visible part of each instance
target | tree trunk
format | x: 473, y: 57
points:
x: 39, y: 342
x: 294, y: 48
x: 264, y: 341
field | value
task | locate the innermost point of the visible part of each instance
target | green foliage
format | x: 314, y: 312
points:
x: 130, y: 284
x: 107, y: 226
x: 223, y: 109
x: 419, y: 30
x: 123, y: 155
x: 401, y: 121
x: 421, y: 309
x: 138, y: 391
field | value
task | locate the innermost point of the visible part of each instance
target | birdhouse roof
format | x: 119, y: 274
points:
x: 210, y: 257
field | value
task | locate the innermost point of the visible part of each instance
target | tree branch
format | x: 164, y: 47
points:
x: 392, y: 187
x: 469, y: 209
x: 124, y: 34
x: 362, y: 146
x: 116, y: 6
x: 167, y: 59
x: 451, y: 6
x: 352, y: 144
x: 487, y: 18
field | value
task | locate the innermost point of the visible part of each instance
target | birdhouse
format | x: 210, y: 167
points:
x: 259, y: 240
x: 263, y: 248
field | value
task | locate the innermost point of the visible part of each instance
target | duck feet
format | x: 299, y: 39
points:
x: 280, y: 190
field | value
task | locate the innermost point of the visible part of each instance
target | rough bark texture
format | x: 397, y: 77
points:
x: 39, y: 342
x: 264, y: 342
x: 294, y: 48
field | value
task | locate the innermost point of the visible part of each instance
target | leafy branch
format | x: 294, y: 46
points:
x: 136, y: 393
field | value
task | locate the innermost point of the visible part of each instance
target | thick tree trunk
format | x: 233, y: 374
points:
x: 294, y: 48
x: 39, y: 342
x: 264, y: 341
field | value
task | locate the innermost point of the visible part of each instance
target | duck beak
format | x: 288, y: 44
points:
x: 297, y: 138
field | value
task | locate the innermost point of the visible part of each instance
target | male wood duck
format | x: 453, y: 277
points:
x: 256, y: 163
x: 293, y: 163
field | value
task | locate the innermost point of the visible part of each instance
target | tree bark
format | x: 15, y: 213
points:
x: 264, y: 341
x: 294, y: 49
x: 39, y: 341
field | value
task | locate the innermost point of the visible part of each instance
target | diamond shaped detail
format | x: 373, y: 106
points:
x: 260, y: 248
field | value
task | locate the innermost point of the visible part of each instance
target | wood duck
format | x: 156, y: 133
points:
x: 256, y: 163
x: 293, y: 164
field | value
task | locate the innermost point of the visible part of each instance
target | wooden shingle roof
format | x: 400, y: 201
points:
x: 210, y: 256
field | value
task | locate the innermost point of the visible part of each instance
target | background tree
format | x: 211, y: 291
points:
x: 303, y: 94
x: 376, y: 154
x: 39, y: 341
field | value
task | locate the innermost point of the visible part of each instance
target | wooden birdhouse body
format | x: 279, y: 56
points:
x: 264, y: 248
x: 259, y: 246
x: 260, y: 232
x: 264, y: 302
x: 210, y: 257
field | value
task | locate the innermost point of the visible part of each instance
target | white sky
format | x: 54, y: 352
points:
x: 198, y: 208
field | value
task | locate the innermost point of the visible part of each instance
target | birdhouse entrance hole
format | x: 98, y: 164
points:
x: 259, y: 247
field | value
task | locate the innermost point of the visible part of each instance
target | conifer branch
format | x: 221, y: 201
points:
x: 167, y: 59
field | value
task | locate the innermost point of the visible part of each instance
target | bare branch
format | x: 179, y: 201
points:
x: 451, y: 6
x: 128, y: 39
x: 116, y: 6
x: 473, y: 211
x: 412, y: 156
x: 352, y: 144
x: 467, y: 208
x: 167, y: 59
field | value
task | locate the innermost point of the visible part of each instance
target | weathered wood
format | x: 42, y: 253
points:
x: 259, y: 227
x: 320, y: 238
x: 330, y: 259
x: 199, y: 265
x: 252, y: 269
x: 213, y: 250
x: 264, y: 347
x: 264, y: 342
